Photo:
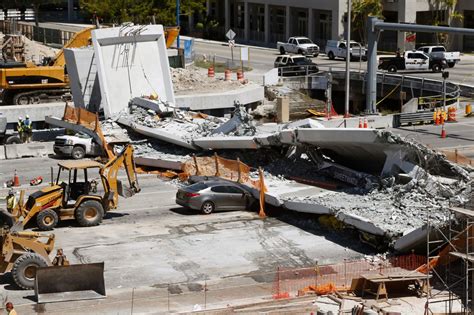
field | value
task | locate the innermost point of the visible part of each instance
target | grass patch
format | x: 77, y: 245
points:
x: 220, y: 67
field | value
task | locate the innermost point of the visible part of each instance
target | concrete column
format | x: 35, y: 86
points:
x: 406, y: 14
x: 287, y: 23
x: 371, y: 88
x: 267, y: 23
x: 227, y: 15
x: 283, y: 109
x: 310, y: 24
x: 246, y: 21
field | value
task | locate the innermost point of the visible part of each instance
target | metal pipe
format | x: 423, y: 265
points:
x: 177, y: 20
x: 348, y: 58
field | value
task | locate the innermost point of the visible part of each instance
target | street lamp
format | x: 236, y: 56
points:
x: 348, y: 58
x: 177, y: 19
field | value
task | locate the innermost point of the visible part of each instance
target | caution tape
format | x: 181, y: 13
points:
x: 386, y: 96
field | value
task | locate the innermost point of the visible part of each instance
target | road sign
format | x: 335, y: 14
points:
x: 231, y: 43
x: 244, y: 53
x: 230, y: 34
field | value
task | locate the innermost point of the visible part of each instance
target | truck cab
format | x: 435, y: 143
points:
x: 76, y: 146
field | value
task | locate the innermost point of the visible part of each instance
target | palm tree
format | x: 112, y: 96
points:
x: 450, y: 7
x: 361, y: 10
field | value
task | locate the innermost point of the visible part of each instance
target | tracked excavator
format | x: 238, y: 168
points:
x: 25, y: 83
x: 79, y: 197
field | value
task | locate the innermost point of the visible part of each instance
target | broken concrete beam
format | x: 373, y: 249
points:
x: 158, y: 163
x: 306, y: 207
x: 131, y: 62
x: 74, y: 127
x: 230, y: 142
x: 155, y: 105
x: 411, y: 240
x: 157, y: 134
x: 361, y: 223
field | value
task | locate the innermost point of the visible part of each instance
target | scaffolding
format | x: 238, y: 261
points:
x: 450, y: 261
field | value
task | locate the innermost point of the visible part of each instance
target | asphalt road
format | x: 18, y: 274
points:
x: 150, y: 242
x: 262, y: 60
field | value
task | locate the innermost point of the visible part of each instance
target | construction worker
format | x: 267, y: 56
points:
x: 20, y: 128
x: 11, y: 200
x: 60, y: 259
x: 28, y: 129
x: 10, y: 309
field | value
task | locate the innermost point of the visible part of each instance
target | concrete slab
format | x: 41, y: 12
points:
x: 159, y: 163
x: 38, y: 149
x: 157, y: 134
x: 131, y: 62
x: 249, y: 94
x: 360, y: 223
x: 83, y: 78
x: 411, y: 240
x: 154, y: 105
x: 37, y: 112
x: 2, y: 152
x: 306, y: 207
x: 223, y: 142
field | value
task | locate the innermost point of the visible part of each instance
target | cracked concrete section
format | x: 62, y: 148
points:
x: 135, y: 55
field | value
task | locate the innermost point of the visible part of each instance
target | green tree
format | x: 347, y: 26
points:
x: 361, y: 10
x: 445, y: 13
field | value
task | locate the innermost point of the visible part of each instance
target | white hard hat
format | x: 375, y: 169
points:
x: 27, y: 116
x: 20, y: 118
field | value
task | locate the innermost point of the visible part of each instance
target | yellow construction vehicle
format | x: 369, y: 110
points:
x: 27, y: 83
x: 23, y: 252
x: 79, y: 198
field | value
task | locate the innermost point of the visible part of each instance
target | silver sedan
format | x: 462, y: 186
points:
x: 210, y: 196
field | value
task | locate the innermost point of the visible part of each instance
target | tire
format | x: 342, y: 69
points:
x: 331, y: 55
x: 21, y: 100
x: 300, y: 52
x: 451, y: 64
x: 208, y: 207
x: 392, y: 68
x: 436, y: 67
x: 315, y: 55
x: 282, y: 50
x: 89, y: 213
x: 24, y: 269
x: 78, y: 153
x: 47, y: 220
x: 13, y: 140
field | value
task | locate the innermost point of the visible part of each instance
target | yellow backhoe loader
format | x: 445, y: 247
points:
x: 79, y: 198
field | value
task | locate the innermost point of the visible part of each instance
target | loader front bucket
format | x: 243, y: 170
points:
x: 70, y: 283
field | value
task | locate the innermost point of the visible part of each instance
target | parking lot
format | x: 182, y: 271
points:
x: 149, y: 243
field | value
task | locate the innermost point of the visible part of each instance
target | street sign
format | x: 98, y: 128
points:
x: 231, y: 43
x: 244, y: 53
x: 230, y: 34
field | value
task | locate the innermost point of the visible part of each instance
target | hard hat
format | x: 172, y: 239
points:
x: 20, y: 118
x: 27, y: 116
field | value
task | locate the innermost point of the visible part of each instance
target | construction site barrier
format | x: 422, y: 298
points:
x: 323, y: 279
x: 457, y: 157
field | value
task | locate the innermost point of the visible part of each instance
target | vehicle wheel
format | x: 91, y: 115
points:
x: 451, y: 64
x: 300, y: 52
x: 47, y: 220
x: 24, y: 269
x: 89, y: 213
x: 21, y: 99
x: 208, y: 207
x: 436, y: 68
x: 315, y: 55
x: 13, y: 140
x: 392, y: 68
x: 331, y: 55
x: 78, y: 153
x: 282, y: 50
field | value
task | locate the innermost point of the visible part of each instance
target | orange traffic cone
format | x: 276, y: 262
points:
x: 443, y: 132
x: 366, y: 124
x: 16, y: 180
x: 360, y: 122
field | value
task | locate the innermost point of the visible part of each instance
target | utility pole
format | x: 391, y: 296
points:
x: 348, y: 58
x: 445, y: 76
x: 177, y: 19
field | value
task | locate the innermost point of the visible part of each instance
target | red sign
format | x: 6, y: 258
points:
x: 410, y: 37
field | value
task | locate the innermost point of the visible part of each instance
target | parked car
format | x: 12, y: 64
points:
x: 452, y: 57
x: 338, y: 49
x: 215, y: 195
x: 295, y: 65
x: 299, y: 45
x: 76, y: 146
x: 412, y: 60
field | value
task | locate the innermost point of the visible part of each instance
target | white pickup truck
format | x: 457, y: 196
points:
x: 299, y: 45
x: 452, y: 57
x: 338, y: 49
x: 76, y: 146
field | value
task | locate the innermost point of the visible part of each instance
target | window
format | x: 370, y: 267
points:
x: 411, y: 56
x: 342, y: 45
x: 438, y: 49
x: 219, y: 189
x: 420, y: 56
x: 292, y: 41
x: 234, y: 190
x: 198, y: 186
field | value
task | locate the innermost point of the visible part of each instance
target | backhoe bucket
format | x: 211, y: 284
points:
x: 70, y: 283
x: 124, y: 191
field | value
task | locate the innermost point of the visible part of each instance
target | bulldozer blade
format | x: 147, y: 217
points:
x: 70, y: 283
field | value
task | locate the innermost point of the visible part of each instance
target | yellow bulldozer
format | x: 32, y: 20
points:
x: 78, y: 197
x: 25, y: 83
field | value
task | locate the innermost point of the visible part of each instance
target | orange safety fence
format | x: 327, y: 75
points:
x: 456, y: 157
x: 324, y: 279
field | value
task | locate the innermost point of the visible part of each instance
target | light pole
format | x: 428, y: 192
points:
x: 445, y: 77
x: 348, y: 58
x: 177, y: 19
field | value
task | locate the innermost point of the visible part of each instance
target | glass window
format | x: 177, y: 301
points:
x: 219, y: 189
x: 411, y: 56
x: 198, y: 186
x: 234, y: 190
x: 437, y: 49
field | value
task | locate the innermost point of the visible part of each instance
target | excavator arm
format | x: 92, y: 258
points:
x: 113, y: 187
x: 80, y: 39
